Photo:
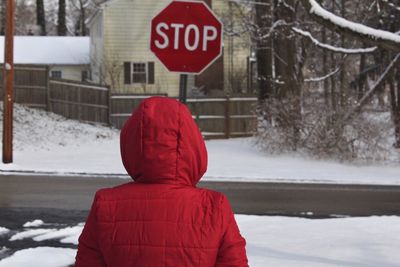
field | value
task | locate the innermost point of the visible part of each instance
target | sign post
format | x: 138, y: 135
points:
x: 183, y: 88
x: 186, y: 37
x: 8, y: 74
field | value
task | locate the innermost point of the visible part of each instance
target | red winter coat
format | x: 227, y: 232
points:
x: 161, y: 219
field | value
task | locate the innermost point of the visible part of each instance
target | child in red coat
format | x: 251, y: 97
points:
x: 161, y: 218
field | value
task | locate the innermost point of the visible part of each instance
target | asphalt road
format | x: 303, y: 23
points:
x: 314, y: 200
x: 64, y: 201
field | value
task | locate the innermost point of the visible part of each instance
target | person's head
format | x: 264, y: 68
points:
x: 161, y: 143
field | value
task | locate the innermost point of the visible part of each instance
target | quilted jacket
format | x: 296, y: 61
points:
x: 161, y: 218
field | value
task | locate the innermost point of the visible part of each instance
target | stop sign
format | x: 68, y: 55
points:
x: 186, y: 36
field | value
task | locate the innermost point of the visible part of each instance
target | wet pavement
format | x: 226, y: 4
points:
x: 64, y: 201
x: 76, y: 193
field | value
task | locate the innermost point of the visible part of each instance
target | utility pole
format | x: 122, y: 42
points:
x: 8, y: 74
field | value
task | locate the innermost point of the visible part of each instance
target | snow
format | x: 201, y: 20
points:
x: 275, y: 241
x: 239, y: 160
x: 49, y: 50
x: 38, y: 130
x: 350, y: 242
x: 41, y: 257
x: 322, y: 78
x: 355, y: 27
x: 30, y: 234
x: 391, y: 5
x: 334, y: 48
x: 48, y: 143
x: 34, y: 223
x: 67, y: 235
x: 3, y: 230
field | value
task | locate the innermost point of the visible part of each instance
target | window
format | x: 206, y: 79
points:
x: 139, y: 72
x: 56, y: 74
x: 84, y: 75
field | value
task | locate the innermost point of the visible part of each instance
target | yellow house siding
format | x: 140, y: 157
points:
x: 70, y: 72
x: 96, y: 47
x: 126, y: 36
x: 127, y: 39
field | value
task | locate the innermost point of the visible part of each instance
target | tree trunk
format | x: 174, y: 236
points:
x: 264, y: 52
x: 342, y: 92
x: 61, y: 26
x: 286, y: 62
x: 397, y: 111
x: 41, y: 17
x: 83, y: 18
x: 395, y: 24
x: 333, y: 66
x: 3, y: 17
x: 325, y: 66
x: 394, y: 85
x: 361, y: 78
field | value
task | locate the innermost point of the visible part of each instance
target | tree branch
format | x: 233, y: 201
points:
x: 384, y: 39
x: 376, y: 86
x: 322, y: 78
x: 334, y: 48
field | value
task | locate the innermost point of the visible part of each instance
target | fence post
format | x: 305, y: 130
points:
x: 79, y: 103
x: 196, y: 112
x: 109, y: 106
x: 48, y: 104
x: 227, y: 118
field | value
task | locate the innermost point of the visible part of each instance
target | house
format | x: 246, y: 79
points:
x: 121, y: 57
x: 66, y: 57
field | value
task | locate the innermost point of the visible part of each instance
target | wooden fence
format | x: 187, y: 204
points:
x: 224, y: 117
x: 83, y: 102
x: 216, y: 117
x: 30, y: 86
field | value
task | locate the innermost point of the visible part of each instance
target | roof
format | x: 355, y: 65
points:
x: 49, y: 50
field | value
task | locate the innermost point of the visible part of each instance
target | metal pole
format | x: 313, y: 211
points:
x: 183, y: 88
x: 8, y: 74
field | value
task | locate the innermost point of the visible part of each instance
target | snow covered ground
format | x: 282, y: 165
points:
x: 271, y: 241
x: 49, y: 143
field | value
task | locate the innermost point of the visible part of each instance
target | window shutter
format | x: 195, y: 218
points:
x: 150, y: 68
x: 127, y: 73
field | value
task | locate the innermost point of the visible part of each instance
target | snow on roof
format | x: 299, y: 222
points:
x: 49, y: 50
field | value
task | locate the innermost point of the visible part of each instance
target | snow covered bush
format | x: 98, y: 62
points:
x: 318, y: 132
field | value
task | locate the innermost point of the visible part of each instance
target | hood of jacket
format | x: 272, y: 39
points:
x: 161, y: 143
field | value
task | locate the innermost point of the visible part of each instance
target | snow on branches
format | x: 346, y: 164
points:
x: 385, y: 39
x: 331, y: 47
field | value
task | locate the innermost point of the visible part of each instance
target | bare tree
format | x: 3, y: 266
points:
x: 61, y: 25
x: 111, y: 69
x: 41, y: 17
x: 3, y: 17
x: 264, y: 49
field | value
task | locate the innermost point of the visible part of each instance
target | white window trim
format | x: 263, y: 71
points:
x: 54, y: 71
x: 146, y: 69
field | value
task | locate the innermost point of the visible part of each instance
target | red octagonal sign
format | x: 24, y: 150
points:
x: 186, y: 36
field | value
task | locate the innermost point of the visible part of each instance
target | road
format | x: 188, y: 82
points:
x: 76, y: 194
x: 64, y: 201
